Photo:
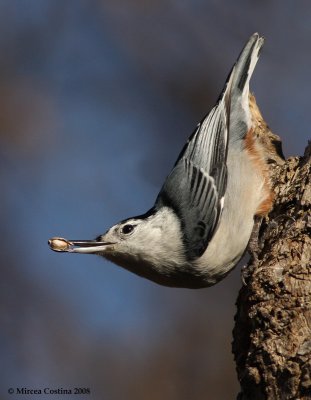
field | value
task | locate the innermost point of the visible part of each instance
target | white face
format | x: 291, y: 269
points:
x: 127, y: 237
x: 145, y: 237
x: 150, y: 247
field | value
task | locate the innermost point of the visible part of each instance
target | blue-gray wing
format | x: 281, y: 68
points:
x: 195, y: 188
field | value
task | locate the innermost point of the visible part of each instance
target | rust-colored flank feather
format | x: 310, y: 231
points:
x: 258, y: 158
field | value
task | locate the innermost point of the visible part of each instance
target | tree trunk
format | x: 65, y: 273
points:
x: 272, y: 333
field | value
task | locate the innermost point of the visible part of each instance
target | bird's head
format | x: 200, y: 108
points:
x: 150, y: 245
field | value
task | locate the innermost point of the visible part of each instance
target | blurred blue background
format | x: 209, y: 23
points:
x: 97, y: 98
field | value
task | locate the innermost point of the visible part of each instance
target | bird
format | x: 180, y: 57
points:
x: 200, y: 224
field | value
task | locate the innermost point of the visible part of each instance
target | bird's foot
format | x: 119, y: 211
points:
x: 256, y: 242
x: 255, y: 246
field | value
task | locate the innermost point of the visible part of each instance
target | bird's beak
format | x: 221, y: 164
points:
x: 78, y: 246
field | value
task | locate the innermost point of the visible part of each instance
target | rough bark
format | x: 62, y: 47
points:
x: 272, y: 333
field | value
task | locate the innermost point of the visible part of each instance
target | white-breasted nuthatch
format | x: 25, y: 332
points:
x: 202, y: 219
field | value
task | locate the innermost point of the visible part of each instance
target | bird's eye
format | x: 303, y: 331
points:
x: 128, y: 228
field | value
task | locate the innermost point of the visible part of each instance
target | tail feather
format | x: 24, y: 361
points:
x: 246, y: 63
x: 240, y: 115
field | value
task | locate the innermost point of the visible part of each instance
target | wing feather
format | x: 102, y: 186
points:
x: 195, y: 187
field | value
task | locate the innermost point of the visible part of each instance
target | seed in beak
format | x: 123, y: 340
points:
x: 59, y: 244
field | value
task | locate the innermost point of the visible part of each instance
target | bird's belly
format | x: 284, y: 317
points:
x: 243, y: 195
